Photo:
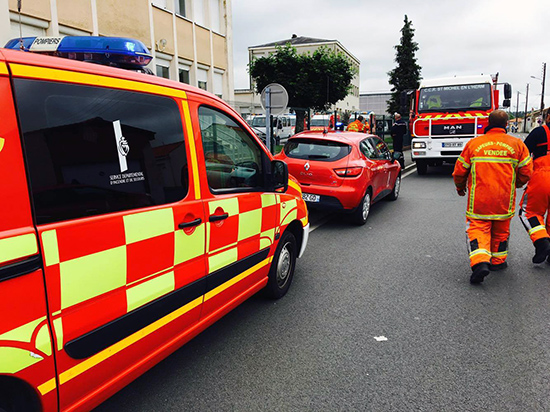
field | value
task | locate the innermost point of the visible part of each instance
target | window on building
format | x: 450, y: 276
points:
x: 202, y: 79
x: 180, y: 7
x: 163, y: 71
x: 215, y: 15
x: 218, y: 84
x: 95, y: 150
x: 233, y: 158
x: 184, y: 75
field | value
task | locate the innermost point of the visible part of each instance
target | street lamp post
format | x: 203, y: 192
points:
x: 525, y: 114
x: 542, y: 81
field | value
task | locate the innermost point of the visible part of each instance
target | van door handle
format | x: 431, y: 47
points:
x: 185, y: 225
x: 216, y: 218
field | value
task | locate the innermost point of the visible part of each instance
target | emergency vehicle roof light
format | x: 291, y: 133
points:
x: 110, y: 51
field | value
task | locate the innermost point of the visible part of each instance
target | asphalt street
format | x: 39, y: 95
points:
x: 379, y: 318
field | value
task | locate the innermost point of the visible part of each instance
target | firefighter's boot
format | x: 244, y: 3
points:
x: 498, y: 266
x: 479, y: 272
x: 542, y: 250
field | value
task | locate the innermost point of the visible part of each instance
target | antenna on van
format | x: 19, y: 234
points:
x: 20, y: 27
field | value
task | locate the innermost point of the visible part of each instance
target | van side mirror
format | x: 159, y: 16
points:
x: 396, y: 155
x: 507, y: 92
x: 279, y: 175
x: 506, y: 103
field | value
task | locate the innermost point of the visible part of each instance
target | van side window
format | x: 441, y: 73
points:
x: 233, y: 158
x: 93, y: 150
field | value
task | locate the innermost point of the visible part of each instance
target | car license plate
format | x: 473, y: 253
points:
x: 452, y: 144
x: 308, y: 197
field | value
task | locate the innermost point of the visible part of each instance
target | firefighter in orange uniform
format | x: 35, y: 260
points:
x: 357, y: 125
x: 492, y: 166
x: 535, y: 202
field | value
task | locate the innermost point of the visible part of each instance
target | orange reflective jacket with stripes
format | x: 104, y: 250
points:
x: 492, y: 165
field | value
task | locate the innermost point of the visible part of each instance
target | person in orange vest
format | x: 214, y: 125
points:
x: 491, y: 166
x: 357, y: 125
x: 535, y: 202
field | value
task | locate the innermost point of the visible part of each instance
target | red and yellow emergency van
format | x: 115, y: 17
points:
x: 135, y: 212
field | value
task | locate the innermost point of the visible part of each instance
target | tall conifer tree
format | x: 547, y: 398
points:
x: 407, y: 73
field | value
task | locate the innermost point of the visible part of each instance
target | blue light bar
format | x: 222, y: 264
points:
x: 110, y: 51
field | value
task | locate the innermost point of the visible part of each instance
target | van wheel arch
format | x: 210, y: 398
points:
x: 17, y: 396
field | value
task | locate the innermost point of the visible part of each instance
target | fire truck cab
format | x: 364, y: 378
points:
x: 447, y: 112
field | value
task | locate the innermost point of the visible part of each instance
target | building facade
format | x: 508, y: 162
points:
x: 191, y: 40
x: 247, y: 100
x: 375, y: 102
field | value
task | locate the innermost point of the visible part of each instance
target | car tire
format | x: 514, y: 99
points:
x: 282, y: 268
x: 396, y: 188
x: 361, y: 213
x: 421, y: 167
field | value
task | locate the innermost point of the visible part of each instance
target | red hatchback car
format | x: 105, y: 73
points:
x: 344, y: 171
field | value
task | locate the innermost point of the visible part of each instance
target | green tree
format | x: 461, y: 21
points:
x: 314, y: 80
x: 407, y: 73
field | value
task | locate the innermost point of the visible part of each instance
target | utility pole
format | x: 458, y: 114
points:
x: 517, y: 109
x: 542, y: 94
x: 525, y: 115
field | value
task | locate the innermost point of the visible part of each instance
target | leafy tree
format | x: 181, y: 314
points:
x: 314, y: 80
x: 407, y: 73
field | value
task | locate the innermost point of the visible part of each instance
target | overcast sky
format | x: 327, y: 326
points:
x: 455, y: 37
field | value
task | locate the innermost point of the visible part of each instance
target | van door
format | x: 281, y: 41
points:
x: 120, y: 224
x: 242, y: 216
x: 26, y: 348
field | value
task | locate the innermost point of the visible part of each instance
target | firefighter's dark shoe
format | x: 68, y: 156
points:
x: 479, y: 272
x: 500, y: 266
x: 542, y: 250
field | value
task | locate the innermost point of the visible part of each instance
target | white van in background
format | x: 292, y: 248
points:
x: 282, y: 126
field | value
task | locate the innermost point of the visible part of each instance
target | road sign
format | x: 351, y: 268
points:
x: 279, y: 98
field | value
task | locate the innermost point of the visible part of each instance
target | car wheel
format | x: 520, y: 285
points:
x: 396, y: 187
x: 421, y: 167
x: 282, y: 268
x: 361, y: 214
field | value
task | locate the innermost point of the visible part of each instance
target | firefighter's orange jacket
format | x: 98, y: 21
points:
x: 493, y: 165
x: 357, y: 126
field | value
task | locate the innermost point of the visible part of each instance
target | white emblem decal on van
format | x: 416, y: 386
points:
x: 122, y: 146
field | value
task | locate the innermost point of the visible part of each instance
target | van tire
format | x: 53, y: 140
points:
x: 282, y: 268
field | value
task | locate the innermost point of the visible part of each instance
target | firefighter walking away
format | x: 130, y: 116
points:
x: 489, y: 170
x: 536, y: 198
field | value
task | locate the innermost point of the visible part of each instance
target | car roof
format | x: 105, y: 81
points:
x: 331, y: 135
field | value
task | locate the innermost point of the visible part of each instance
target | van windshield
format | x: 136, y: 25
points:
x: 259, y: 121
x: 458, y: 97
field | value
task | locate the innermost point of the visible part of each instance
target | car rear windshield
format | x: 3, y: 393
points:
x: 311, y: 149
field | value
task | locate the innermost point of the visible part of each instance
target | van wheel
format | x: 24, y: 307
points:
x: 361, y: 214
x: 421, y: 167
x: 396, y: 187
x: 282, y: 268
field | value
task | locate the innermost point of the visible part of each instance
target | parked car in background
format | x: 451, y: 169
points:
x: 343, y: 171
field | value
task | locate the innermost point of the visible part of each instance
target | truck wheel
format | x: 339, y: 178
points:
x: 361, y: 213
x: 421, y: 167
x: 282, y: 268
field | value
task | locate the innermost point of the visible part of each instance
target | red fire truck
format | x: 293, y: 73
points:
x: 447, y: 112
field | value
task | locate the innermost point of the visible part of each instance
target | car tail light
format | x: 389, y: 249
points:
x: 349, y: 171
